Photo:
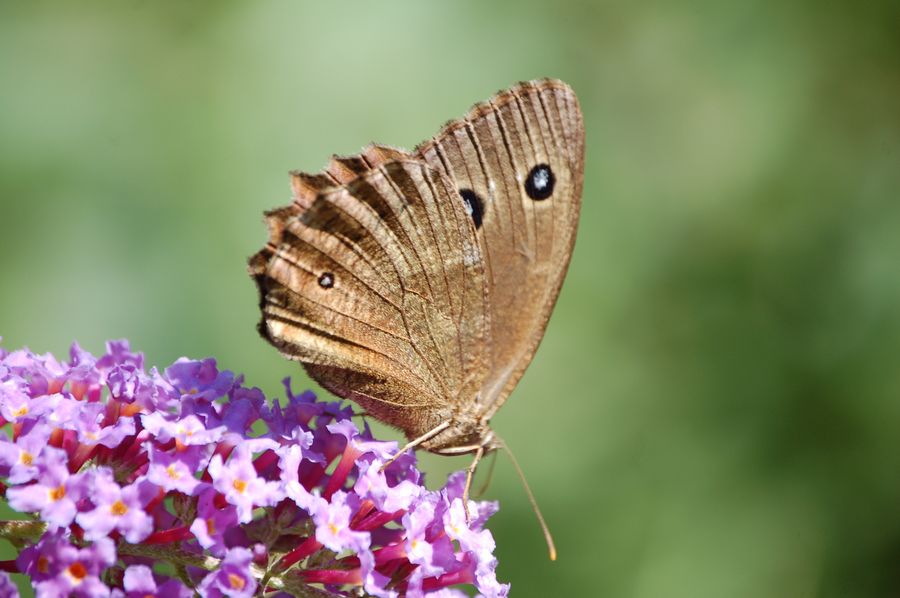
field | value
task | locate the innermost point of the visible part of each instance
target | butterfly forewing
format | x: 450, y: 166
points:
x: 526, y: 239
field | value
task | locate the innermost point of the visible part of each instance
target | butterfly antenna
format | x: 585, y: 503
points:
x: 490, y: 476
x: 551, y: 547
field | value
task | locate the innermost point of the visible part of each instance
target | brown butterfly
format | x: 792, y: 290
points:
x: 419, y: 284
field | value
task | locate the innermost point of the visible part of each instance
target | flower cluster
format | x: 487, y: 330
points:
x: 182, y: 482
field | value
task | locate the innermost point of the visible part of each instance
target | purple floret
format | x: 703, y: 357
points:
x: 127, y: 469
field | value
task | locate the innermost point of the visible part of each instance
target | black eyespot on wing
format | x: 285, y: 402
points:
x: 474, y: 205
x: 539, y: 182
x: 326, y: 280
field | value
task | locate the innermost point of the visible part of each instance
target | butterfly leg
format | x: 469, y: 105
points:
x: 417, y: 441
x: 470, y: 473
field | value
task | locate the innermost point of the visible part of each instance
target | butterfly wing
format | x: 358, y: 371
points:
x: 373, y: 278
x: 503, y: 157
x: 419, y: 285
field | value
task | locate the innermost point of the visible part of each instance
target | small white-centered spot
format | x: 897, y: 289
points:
x: 540, y: 182
x: 326, y: 280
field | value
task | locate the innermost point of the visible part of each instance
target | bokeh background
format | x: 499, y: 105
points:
x: 714, y: 409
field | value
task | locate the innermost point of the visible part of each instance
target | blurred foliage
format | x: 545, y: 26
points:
x: 714, y: 410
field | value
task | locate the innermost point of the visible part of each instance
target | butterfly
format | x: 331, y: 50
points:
x: 419, y: 284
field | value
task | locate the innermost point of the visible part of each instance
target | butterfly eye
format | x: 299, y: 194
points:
x: 540, y: 181
x: 473, y: 204
x: 326, y: 280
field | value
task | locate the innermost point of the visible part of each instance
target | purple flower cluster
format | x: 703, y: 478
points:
x: 187, y: 481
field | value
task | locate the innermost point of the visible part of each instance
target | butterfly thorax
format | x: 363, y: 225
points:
x: 462, y: 435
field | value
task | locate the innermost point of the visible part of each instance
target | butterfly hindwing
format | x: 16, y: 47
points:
x: 396, y: 323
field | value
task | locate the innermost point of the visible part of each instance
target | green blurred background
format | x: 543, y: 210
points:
x: 714, y: 409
